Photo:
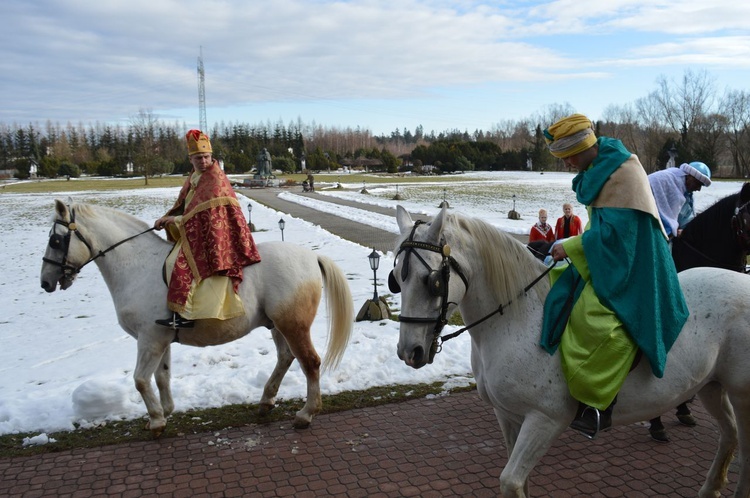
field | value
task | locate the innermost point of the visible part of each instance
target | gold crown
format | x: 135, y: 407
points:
x: 198, y: 143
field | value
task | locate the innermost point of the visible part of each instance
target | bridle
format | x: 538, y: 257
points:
x: 741, y: 232
x: 437, y: 286
x: 740, y: 226
x: 62, y: 243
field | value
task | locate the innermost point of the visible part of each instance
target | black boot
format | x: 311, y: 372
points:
x: 657, y: 430
x: 684, y: 415
x: 176, y: 322
x: 589, y: 420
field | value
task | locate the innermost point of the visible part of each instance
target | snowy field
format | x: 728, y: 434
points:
x: 65, y: 361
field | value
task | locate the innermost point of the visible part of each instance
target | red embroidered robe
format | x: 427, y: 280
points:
x: 215, y: 237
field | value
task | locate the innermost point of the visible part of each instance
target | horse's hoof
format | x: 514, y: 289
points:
x: 300, y: 423
x: 264, y: 410
x: 155, y: 432
x: 660, y: 436
x: 687, y: 419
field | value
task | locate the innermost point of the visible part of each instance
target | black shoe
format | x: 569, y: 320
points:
x: 659, y: 435
x: 687, y: 419
x: 589, y: 420
x: 657, y: 430
x: 176, y: 322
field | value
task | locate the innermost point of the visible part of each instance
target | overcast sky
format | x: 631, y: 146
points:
x: 377, y: 64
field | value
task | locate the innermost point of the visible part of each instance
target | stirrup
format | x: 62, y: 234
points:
x: 176, y: 322
x: 589, y: 425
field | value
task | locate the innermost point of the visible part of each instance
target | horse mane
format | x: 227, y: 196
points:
x: 93, y: 211
x: 115, y: 220
x: 505, y: 261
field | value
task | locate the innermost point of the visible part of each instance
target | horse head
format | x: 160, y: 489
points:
x: 65, y: 254
x: 741, y: 218
x: 423, y: 270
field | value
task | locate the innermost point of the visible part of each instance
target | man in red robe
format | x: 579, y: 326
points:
x: 213, y: 243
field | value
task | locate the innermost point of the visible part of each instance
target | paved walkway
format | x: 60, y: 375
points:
x: 445, y: 446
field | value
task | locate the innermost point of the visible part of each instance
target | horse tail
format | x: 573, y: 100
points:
x: 340, y: 311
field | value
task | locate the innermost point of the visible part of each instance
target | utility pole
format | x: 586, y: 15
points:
x: 202, y: 94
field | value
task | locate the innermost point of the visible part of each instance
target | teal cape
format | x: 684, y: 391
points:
x: 631, y: 268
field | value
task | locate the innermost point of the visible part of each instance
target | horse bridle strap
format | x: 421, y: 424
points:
x: 499, y: 309
x: 58, y: 240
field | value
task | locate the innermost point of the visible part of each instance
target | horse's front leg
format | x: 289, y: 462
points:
x: 151, y: 350
x: 537, y: 434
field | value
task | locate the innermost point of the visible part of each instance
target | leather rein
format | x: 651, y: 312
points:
x: 62, y: 242
x: 437, y: 283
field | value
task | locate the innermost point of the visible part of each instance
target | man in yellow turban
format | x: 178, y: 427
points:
x: 620, y: 291
x: 213, y: 243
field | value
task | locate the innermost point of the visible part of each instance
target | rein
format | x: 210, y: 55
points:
x: 437, y: 284
x: 57, y: 241
x: 499, y: 308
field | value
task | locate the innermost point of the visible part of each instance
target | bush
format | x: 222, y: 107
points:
x: 69, y: 170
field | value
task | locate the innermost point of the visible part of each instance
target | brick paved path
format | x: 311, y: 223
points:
x: 446, y: 446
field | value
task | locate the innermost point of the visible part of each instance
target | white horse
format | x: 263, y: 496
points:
x: 464, y: 263
x: 282, y: 293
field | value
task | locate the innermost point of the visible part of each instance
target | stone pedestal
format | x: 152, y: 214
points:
x: 374, y: 310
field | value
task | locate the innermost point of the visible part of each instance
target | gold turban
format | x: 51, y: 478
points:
x: 569, y: 136
x: 198, y: 142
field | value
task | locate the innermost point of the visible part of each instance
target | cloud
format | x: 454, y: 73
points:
x: 88, y: 61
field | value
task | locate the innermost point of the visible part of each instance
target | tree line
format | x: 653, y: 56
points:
x: 687, y: 118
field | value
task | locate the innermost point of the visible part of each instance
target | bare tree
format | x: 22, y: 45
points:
x: 681, y: 105
x: 735, y: 107
x: 143, y: 125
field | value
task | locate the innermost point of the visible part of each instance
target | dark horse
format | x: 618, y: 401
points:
x: 718, y: 237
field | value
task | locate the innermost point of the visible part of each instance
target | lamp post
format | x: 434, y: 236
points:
x: 375, y: 308
x: 374, y: 258
x: 282, y: 223
x: 250, y: 217
x: 445, y: 202
x: 513, y: 214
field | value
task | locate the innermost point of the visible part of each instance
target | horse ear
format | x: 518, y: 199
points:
x: 403, y: 218
x: 745, y: 193
x: 433, y: 233
x: 62, y: 210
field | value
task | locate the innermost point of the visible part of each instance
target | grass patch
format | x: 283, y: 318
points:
x: 214, y: 419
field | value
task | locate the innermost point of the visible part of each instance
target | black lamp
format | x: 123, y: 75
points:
x: 250, y: 216
x: 282, y: 223
x: 374, y: 258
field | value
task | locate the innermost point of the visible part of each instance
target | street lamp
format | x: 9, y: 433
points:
x: 282, y: 223
x: 444, y: 203
x: 513, y: 214
x: 250, y: 217
x: 376, y: 308
x: 374, y: 258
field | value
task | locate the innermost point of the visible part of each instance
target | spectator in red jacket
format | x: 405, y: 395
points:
x: 541, y: 229
x: 569, y: 224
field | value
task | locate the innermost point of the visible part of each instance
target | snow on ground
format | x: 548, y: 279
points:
x: 65, y: 360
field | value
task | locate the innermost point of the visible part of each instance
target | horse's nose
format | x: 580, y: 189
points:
x: 49, y: 287
x: 414, y: 357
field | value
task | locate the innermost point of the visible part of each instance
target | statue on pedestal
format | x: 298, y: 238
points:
x: 264, y: 163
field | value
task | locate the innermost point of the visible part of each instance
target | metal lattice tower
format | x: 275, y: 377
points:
x: 202, y: 94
